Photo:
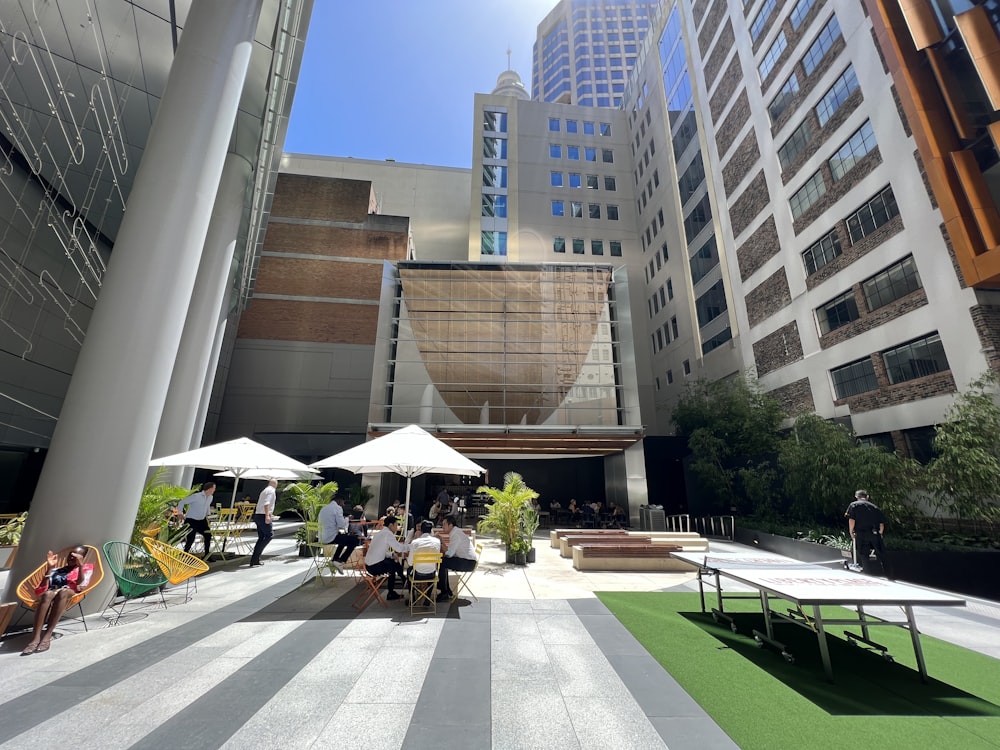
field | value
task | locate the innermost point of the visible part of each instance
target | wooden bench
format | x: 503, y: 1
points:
x: 687, y: 542
x: 655, y: 557
x: 556, y: 534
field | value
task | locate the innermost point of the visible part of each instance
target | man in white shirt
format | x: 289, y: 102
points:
x: 333, y: 529
x: 194, y: 512
x: 460, y: 555
x: 424, y: 543
x: 262, y: 519
x: 378, y: 561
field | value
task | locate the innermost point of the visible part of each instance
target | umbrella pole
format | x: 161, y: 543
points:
x: 406, y: 508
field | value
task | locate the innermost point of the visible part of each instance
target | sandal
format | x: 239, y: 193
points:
x: 43, y: 646
x: 30, y: 649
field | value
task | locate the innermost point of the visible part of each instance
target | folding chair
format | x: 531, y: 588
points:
x: 321, y: 554
x: 464, y: 578
x: 370, y: 586
x: 223, y: 530
x: 423, y: 590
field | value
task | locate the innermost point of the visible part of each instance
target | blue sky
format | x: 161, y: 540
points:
x: 395, y: 79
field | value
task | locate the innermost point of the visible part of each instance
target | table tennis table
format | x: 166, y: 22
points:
x: 809, y: 586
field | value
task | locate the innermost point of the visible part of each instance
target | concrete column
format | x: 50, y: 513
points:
x: 211, y: 371
x: 193, y: 371
x: 90, y: 486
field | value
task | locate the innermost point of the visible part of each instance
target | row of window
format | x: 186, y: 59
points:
x: 868, y: 217
x: 810, y: 61
x: 576, y: 210
x: 796, y: 17
x: 572, y: 126
x: 826, y: 108
x: 860, y: 144
x: 576, y: 180
x: 650, y: 271
x: 879, y: 290
x: 686, y: 364
x: 914, y: 359
x: 579, y: 246
x: 597, y: 75
x: 660, y: 298
x: 651, y: 231
x: 583, y: 48
x: 573, y: 153
x: 662, y: 337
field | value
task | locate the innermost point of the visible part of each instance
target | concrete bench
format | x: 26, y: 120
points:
x: 687, y: 542
x: 652, y: 557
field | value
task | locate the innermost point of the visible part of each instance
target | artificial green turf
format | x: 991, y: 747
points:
x: 762, y: 702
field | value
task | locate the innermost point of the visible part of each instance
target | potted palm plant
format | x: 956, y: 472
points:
x: 308, y: 500
x: 509, y: 516
x: 10, y: 538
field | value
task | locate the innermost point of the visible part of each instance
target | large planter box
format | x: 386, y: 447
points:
x: 970, y: 573
x: 7, y: 555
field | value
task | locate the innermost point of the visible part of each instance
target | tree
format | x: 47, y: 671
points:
x: 732, y: 431
x: 823, y: 465
x: 964, y: 476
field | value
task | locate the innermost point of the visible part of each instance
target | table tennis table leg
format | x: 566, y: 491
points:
x: 824, y: 650
x: 701, y: 589
x: 766, y: 608
x: 718, y: 591
x: 915, y: 637
x: 864, y: 621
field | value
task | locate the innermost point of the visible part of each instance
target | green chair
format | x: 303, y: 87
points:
x: 135, y: 572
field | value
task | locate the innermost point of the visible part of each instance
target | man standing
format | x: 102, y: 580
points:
x: 378, y: 562
x: 867, y: 525
x: 194, y: 512
x: 460, y: 555
x: 262, y: 519
x: 333, y: 529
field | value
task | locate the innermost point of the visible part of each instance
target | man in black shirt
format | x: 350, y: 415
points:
x: 867, y: 525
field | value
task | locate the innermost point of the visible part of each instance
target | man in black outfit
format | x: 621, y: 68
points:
x: 867, y: 525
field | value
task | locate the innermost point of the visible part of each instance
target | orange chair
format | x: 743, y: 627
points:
x: 26, y: 588
x: 177, y: 565
x: 370, y: 585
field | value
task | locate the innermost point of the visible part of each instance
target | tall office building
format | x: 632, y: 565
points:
x: 585, y: 50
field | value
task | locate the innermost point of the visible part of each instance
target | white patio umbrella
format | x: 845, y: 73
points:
x: 282, y: 474
x: 240, y: 456
x: 409, y: 452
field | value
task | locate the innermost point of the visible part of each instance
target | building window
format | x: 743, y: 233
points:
x: 783, y: 98
x: 574, y: 180
x: 493, y: 243
x: 670, y: 376
x: 571, y: 126
x: 699, y: 218
x: 615, y: 247
x: 664, y: 253
x: 799, y: 13
x: 610, y: 184
x: 659, y: 216
x: 656, y: 178
x: 578, y: 247
x: 673, y: 326
x: 920, y: 443
x: 795, y: 145
x: 592, y: 182
x: 657, y: 382
x: 857, y: 377
x: 559, y: 244
x: 876, y: 212
x: 837, y: 312
x: 717, y: 340
x: 573, y: 152
x: 494, y: 122
x: 576, y: 209
x: 711, y: 304
x: 495, y: 205
x: 663, y: 298
x: 554, y: 124
x: 807, y: 195
x: 594, y: 210
x: 670, y: 289
x: 606, y: 129
x: 588, y: 128
x: 859, y: 145
x: 896, y: 281
x: 915, y: 359
x: 686, y: 364
x: 556, y: 179
x: 558, y: 208
x: 494, y: 176
x: 879, y: 440
x: 659, y: 263
x: 761, y: 20
x: 555, y: 151
x: 607, y: 156
x: 821, y: 252
x: 817, y: 51
x: 771, y: 57
x: 494, y: 148
x: 839, y: 92
x: 597, y: 247
x: 612, y: 213
x: 692, y: 178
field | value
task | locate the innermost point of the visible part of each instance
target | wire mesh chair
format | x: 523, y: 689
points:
x: 135, y: 572
x: 177, y: 565
x: 26, y: 588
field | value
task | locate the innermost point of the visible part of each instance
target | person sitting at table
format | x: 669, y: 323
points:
x: 54, y: 593
x: 459, y: 556
x: 426, y: 542
x: 618, y: 518
x: 378, y: 560
x: 575, y: 516
x: 333, y: 529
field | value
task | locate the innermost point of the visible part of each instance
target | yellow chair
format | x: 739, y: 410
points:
x: 223, y: 529
x: 321, y: 555
x: 423, y: 591
x: 177, y: 565
x: 464, y: 578
x: 26, y: 588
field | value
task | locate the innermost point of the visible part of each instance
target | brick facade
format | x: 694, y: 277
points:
x: 732, y: 78
x: 807, y: 84
x: 712, y: 23
x: 320, y: 322
x: 317, y: 239
x: 986, y: 319
x: 735, y: 121
x: 901, y: 393
x: 319, y: 278
x: 760, y: 247
x: 951, y: 254
x: 778, y: 349
x: 768, y: 297
x: 869, y: 320
x: 852, y: 252
x: 305, y: 197
x: 745, y: 156
x: 699, y: 10
x: 837, y: 189
x: 723, y: 46
x: 820, y: 136
x: 795, y: 398
x: 748, y: 206
x: 900, y: 111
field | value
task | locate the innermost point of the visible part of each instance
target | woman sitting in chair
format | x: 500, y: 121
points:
x: 54, y: 594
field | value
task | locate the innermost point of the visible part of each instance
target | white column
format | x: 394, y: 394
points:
x: 193, y: 365
x: 89, y: 489
x: 206, y: 394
